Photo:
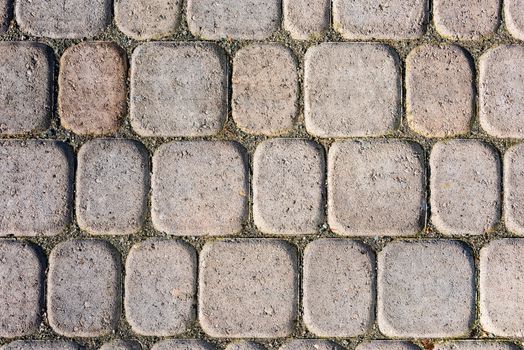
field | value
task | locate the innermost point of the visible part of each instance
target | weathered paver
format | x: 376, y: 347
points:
x: 475, y: 345
x: 219, y: 19
x: 21, y: 289
x: 351, y: 89
x: 376, y: 188
x: 465, y: 187
x: 244, y: 345
x: 112, y: 185
x: 440, y: 90
x: 306, y: 19
x: 6, y: 13
x: 514, y: 17
x: 92, y: 88
x: 83, y: 288
x: 147, y: 19
x: 26, y: 87
x: 248, y: 288
x: 310, y: 344
x: 199, y: 188
x: 466, y: 19
x: 65, y: 19
x: 160, y: 287
x: 121, y: 345
x: 178, y: 89
x: 288, y: 181
x: 426, y: 289
x: 338, y: 288
x: 35, y: 187
x: 386, y: 345
x: 514, y: 189
x: 41, y: 345
x: 265, y: 88
x: 501, y: 91
x: 183, y: 344
x: 501, y: 305
x: 383, y: 19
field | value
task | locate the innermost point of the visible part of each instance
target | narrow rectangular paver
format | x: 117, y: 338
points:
x: 244, y: 345
x: 6, y: 14
x: 475, y: 345
x: 514, y: 189
x: 310, y: 344
x: 514, y: 17
x: 386, y: 345
x: 41, y: 345
x: 183, y: 344
x: 306, y: 19
x: 120, y: 344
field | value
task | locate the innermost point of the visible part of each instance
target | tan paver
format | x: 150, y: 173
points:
x: 245, y: 345
x: 514, y: 17
x: 306, y: 19
x: 475, y: 345
x: 386, y: 345
x: 121, y: 345
x: 41, y: 345
x: 310, y: 344
x: 182, y: 344
x: 6, y: 14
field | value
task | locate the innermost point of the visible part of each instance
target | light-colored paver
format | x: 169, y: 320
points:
x: 501, y: 305
x: 5, y: 14
x: 35, y: 187
x: 65, y: 19
x: 183, y: 344
x: 41, y: 345
x: 306, y: 19
x: 466, y: 19
x: 475, y: 345
x: 92, y: 88
x: 112, y: 185
x: 382, y: 19
x: 121, y: 345
x: 288, y: 182
x: 26, y: 87
x: 338, y: 288
x: 440, y: 90
x: 178, y: 89
x: 465, y: 187
x: 244, y: 345
x: 147, y: 19
x: 265, y: 88
x: 514, y: 189
x: 386, y: 345
x: 219, y: 19
x: 310, y: 344
x: 351, y: 89
x: 248, y: 288
x: 426, y: 289
x: 83, y: 288
x: 21, y: 289
x: 514, y: 17
x: 501, y: 91
x: 160, y: 287
x: 376, y: 188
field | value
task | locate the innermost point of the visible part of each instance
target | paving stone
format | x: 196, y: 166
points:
x: 122, y: 345
x: 384, y: 19
x: 466, y: 19
x: 248, y: 288
x: 514, y: 189
x: 147, y: 19
x: 112, y: 186
x: 92, y: 88
x: 219, y: 19
x: 41, y: 345
x: 501, y: 306
x: 426, y: 289
x: 199, y: 188
x: 183, y: 344
x: 306, y: 19
x: 386, y: 345
x: 6, y: 13
x: 440, y: 90
x: 21, y: 289
x: 310, y: 344
x: 160, y: 287
x: 339, y: 288
x: 35, y: 187
x: 514, y: 17
x: 465, y: 187
x: 265, y: 88
x: 288, y: 181
x: 501, y: 91
x: 26, y: 87
x: 475, y: 345
x: 83, y: 288
x: 65, y: 19
x: 178, y: 89
x: 245, y: 345
x: 351, y: 89
x: 376, y: 188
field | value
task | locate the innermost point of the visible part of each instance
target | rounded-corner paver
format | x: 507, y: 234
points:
x: 386, y: 345
x: 120, y: 344
x: 83, y: 288
x: 475, y: 345
x: 183, y: 344
x: 288, y: 186
x: 244, y: 345
x: 310, y: 344
x: 6, y: 14
x: 306, y: 19
x: 514, y: 18
x: 465, y: 187
x: 514, y: 189
x: 41, y: 345
x: 248, y: 288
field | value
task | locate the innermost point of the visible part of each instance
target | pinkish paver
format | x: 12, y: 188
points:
x: 244, y: 345
x: 122, y: 345
x: 306, y: 19
x: 183, y: 344
x: 386, y: 345
x: 310, y: 344
x: 41, y: 345
x: 475, y: 345
x: 514, y: 189
x: 514, y: 17
x: 6, y: 13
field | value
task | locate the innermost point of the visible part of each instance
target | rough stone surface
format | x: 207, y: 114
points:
x: 160, y: 287
x: 178, y: 89
x: 338, y: 288
x: 475, y: 345
x: 122, y: 345
x: 383, y: 19
x: 92, y: 88
x: 6, y: 13
x: 501, y: 91
x: 83, y: 288
x: 35, y: 187
x: 386, y: 345
x: 183, y: 344
x: 288, y: 181
x: 219, y: 19
x: 440, y: 90
x: 351, y: 89
x: 426, y: 289
x: 147, y: 19
x: 514, y: 17
x: 465, y: 187
x: 244, y: 345
x: 306, y: 19
x: 26, y: 87
x: 41, y: 345
x: 65, y: 19
x: 112, y: 186
x: 265, y: 88
x: 310, y: 344
x: 514, y: 189
x: 248, y: 288
x: 376, y: 188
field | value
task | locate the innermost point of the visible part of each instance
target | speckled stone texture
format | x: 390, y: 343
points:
x: 183, y: 344
x: 310, y: 344
x: 514, y: 17
x: 475, y: 345
x: 306, y: 19
x: 6, y: 14
x: 244, y: 345
x: 386, y: 345
x: 514, y: 189
x: 121, y: 345
x: 41, y: 345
